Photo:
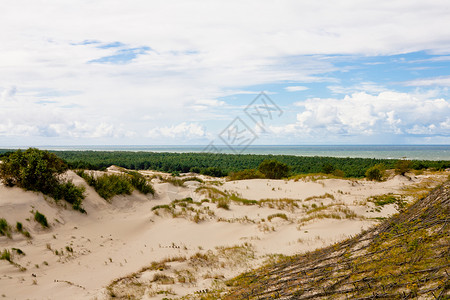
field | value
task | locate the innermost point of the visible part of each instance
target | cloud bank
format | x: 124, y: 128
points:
x: 106, y: 71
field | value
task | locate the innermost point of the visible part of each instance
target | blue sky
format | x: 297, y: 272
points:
x: 180, y: 72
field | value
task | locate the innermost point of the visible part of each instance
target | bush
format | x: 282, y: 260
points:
x: 402, y: 166
x: 32, y: 169
x: 273, y: 169
x: 213, y: 171
x: 328, y: 168
x: 140, y: 183
x: 41, y: 219
x: 39, y: 171
x: 375, y: 173
x: 245, y: 174
x: 195, y: 170
x: 72, y: 194
x: 108, y: 186
x: 338, y: 173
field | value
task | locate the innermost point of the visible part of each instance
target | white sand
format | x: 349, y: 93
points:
x: 114, y: 240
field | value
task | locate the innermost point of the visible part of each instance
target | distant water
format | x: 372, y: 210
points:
x: 424, y: 152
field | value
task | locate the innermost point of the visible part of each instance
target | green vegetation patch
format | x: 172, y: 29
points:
x: 40, y: 171
x: 110, y: 185
x: 5, y: 228
x: 41, y: 219
x: 382, y: 200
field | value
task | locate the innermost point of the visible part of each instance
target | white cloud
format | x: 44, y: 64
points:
x: 436, y: 81
x: 390, y: 113
x: 181, y: 131
x: 205, y: 104
x: 370, y: 87
x: 8, y: 93
x: 296, y: 88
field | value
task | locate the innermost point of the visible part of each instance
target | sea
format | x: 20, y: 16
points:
x: 416, y: 152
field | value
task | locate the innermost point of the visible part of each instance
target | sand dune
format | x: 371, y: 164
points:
x: 81, y: 254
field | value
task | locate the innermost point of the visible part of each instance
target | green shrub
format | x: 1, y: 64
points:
x: 213, y: 171
x: 273, y: 169
x: 72, y: 194
x: 108, y: 186
x: 402, y: 166
x: 338, y: 173
x: 32, y: 169
x: 195, y: 170
x: 328, y: 168
x: 40, y: 171
x: 375, y: 173
x: 140, y: 183
x: 245, y: 174
x: 41, y: 219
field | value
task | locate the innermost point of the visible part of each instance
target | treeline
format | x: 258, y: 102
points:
x: 223, y: 164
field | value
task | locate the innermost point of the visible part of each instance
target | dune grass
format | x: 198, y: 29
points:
x: 110, y: 185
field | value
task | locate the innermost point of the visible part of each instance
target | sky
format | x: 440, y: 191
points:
x: 183, y: 72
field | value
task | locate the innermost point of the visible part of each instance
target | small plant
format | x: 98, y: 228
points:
x: 5, y: 255
x: 41, y: 219
x: 223, y: 203
x: 19, y: 227
x: 278, y: 215
x: 5, y: 228
x: 18, y: 251
x: 165, y: 206
x: 163, y: 279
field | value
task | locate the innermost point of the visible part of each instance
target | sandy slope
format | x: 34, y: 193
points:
x: 116, y: 239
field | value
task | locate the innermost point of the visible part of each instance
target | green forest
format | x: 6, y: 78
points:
x: 224, y: 164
